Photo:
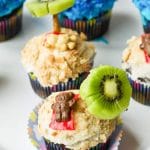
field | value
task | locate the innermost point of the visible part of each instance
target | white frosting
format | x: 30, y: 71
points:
x: 89, y: 130
x: 135, y: 61
x: 53, y: 61
x: 138, y: 71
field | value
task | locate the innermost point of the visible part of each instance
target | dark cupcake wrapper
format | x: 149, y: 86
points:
x: 140, y: 92
x: 10, y: 25
x: 101, y: 146
x: 92, y: 28
x: 41, y: 144
x: 147, y: 27
x: 44, y: 92
x: 146, y: 24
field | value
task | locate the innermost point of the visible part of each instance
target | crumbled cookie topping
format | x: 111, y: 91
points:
x: 133, y: 53
x: 89, y: 130
x: 55, y: 58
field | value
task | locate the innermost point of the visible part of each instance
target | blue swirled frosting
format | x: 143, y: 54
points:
x: 144, y: 7
x: 88, y: 9
x: 7, y: 6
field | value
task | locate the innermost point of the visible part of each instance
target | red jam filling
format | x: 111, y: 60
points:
x: 64, y: 125
x: 56, y: 33
x: 145, y: 46
x: 147, y: 57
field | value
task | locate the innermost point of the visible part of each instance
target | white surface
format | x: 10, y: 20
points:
x: 17, y: 98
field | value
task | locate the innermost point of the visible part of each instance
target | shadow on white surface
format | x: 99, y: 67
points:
x: 2, y: 148
x: 123, y: 26
x: 3, y: 82
x: 129, y: 141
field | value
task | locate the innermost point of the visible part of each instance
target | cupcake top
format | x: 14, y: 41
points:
x: 144, y: 7
x: 136, y: 58
x: 87, y: 132
x: 88, y: 9
x: 7, y: 6
x: 55, y: 58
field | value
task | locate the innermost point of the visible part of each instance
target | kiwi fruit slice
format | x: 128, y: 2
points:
x: 39, y: 8
x: 57, y: 6
x: 106, y: 91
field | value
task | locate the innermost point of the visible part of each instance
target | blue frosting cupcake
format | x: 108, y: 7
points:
x: 10, y: 18
x: 144, y: 8
x: 88, y: 9
x: 8, y: 6
x: 89, y: 16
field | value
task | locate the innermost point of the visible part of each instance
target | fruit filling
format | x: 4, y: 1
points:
x: 145, y: 45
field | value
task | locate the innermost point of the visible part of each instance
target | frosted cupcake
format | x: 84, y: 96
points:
x: 60, y: 59
x: 57, y: 62
x: 10, y: 18
x: 83, y: 119
x: 91, y: 17
x: 136, y: 62
x: 144, y: 8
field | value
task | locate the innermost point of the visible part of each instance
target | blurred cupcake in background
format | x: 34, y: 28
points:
x: 91, y: 17
x: 144, y: 8
x: 136, y: 62
x: 10, y: 18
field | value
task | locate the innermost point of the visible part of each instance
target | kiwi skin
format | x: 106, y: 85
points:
x: 92, y: 91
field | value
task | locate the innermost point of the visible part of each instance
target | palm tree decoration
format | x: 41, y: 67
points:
x: 39, y: 8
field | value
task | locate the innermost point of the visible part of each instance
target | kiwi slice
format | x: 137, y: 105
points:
x: 57, y: 6
x: 106, y: 91
x: 39, y: 8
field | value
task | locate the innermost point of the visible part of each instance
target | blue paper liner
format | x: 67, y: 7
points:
x: 92, y: 28
x: 140, y: 92
x: 10, y: 25
x: 44, y: 92
x: 41, y: 144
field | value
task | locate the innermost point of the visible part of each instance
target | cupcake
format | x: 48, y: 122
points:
x: 144, y: 8
x: 57, y: 62
x: 136, y: 62
x: 87, y: 118
x: 10, y: 18
x: 91, y: 17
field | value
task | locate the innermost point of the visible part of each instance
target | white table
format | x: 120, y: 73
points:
x: 17, y: 98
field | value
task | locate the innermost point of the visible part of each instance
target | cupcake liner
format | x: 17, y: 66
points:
x: 93, y: 28
x: 10, y: 25
x: 41, y: 144
x: 147, y: 27
x: 110, y: 144
x: 140, y: 92
x: 146, y: 24
x: 46, y: 91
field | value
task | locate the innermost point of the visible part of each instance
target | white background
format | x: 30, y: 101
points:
x: 17, y: 98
